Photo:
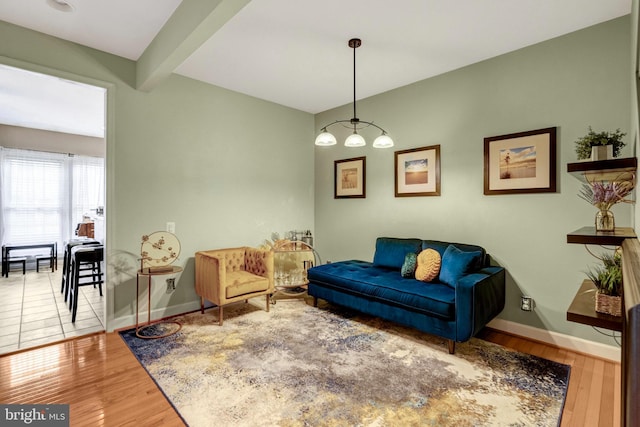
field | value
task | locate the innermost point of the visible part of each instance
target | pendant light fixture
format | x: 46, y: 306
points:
x: 355, y: 139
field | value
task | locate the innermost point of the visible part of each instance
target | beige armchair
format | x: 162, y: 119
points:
x: 225, y: 276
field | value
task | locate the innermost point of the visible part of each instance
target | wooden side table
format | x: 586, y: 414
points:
x: 150, y: 274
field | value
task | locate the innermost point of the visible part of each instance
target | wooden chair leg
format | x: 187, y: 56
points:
x: 201, y: 305
x: 220, y: 319
x: 268, y: 301
x: 315, y: 301
x: 452, y: 346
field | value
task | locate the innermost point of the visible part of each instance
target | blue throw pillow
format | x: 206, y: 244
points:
x: 409, y: 266
x: 455, y: 263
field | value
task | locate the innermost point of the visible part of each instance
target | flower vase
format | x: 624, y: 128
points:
x: 605, y: 220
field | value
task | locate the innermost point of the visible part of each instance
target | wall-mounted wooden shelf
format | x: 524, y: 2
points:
x: 605, y: 170
x: 589, y: 236
x: 583, y: 310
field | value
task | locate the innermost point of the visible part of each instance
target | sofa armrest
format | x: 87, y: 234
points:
x: 480, y: 296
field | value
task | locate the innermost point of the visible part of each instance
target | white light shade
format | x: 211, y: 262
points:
x: 383, y: 141
x: 354, y: 140
x: 325, y: 139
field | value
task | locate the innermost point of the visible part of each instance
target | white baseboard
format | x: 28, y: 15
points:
x: 129, y: 321
x: 568, y: 342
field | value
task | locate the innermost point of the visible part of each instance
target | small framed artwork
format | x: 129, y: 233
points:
x: 522, y: 162
x: 350, y: 178
x: 417, y: 172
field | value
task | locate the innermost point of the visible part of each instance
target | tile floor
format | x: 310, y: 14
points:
x: 33, y: 311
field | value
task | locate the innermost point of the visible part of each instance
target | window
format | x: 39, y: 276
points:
x: 44, y: 195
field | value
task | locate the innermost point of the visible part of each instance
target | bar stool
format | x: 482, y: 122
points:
x: 86, y: 269
x: 66, y: 262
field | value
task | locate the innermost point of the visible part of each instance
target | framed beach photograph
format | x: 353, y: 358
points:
x: 350, y: 178
x: 522, y: 162
x: 417, y: 172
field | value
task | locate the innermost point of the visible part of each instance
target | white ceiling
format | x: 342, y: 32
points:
x: 32, y: 100
x: 295, y: 53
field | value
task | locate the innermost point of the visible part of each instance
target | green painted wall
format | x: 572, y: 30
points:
x: 571, y: 82
x: 228, y: 169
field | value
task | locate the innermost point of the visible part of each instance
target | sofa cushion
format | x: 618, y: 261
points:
x: 455, y: 263
x: 428, y: 265
x: 409, y: 266
x: 441, y: 247
x: 382, y: 284
x: 390, y: 252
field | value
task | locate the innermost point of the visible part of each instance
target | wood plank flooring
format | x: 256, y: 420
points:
x: 593, y: 397
x: 97, y: 375
x: 106, y: 386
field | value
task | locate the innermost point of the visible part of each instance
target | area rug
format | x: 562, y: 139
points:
x: 303, y: 366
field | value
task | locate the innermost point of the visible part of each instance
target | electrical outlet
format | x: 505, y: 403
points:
x: 526, y: 303
x: 171, y: 227
x: 171, y: 284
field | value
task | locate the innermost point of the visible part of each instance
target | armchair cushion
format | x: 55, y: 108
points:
x: 243, y: 283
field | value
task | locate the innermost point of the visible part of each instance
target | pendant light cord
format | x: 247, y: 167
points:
x: 354, y: 83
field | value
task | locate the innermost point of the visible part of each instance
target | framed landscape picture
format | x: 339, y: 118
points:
x: 417, y: 172
x: 350, y: 178
x: 522, y: 162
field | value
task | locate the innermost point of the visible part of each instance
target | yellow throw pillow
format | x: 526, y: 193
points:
x: 428, y: 265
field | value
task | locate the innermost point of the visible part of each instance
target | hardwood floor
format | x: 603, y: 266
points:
x: 97, y: 375
x: 106, y: 386
x: 593, y: 398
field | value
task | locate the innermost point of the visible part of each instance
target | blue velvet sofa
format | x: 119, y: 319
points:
x: 460, y: 301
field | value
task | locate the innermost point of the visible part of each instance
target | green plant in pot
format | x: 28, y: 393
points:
x: 607, y: 278
x: 596, y: 139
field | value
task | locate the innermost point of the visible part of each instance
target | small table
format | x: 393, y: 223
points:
x: 6, y: 251
x: 151, y: 273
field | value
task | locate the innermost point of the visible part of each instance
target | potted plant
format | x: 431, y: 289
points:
x: 611, y: 141
x: 608, y: 281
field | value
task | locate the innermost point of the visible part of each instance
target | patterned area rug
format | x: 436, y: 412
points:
x: 305, y: 366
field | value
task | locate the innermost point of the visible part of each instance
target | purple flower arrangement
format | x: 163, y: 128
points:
x: 604, y: 195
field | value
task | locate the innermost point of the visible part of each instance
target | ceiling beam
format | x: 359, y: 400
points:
x: 192, y: 24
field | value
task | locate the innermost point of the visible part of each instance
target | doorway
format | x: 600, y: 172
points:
x: 50, y: 117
